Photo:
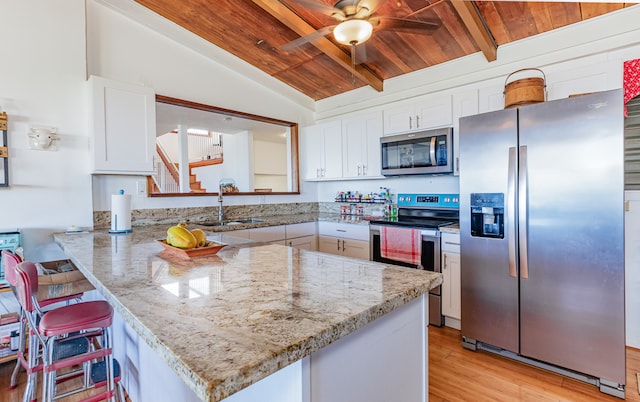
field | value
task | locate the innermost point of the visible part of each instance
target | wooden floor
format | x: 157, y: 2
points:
x: 15, y: 395
x: 457, y: 374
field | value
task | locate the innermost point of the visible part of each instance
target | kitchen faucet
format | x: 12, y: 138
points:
x: 220, y: 210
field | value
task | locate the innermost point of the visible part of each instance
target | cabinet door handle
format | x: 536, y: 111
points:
x: 338, y: 244
x: 341, y: 230
x: 445, y: 262
x: 358, y: 170
x: 317, y: 172
x: 458, y: 164
x: 290, y: 243
x: 321, y: 172
x: 410, y: 122
x: 343, y: 246
x: 364, y: 170
x: 417, y: 121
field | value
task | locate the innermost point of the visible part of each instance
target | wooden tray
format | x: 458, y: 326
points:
x: 210, y: 249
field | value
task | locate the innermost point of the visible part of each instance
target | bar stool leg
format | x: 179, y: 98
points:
x: 32, y: 362
x: 21, y: 350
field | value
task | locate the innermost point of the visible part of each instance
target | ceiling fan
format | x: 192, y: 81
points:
x: 356, y: 22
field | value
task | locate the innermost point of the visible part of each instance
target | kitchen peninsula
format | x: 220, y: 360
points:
x: 258, y: 322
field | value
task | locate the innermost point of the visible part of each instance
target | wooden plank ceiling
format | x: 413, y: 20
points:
x: 256, y: 30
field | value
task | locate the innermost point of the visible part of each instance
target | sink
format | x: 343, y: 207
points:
x: 231, y: 222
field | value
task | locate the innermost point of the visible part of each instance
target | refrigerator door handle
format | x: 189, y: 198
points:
x: 511, y: 215
x: 523, y: 213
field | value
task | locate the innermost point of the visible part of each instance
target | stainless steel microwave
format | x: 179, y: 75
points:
x: 424, y: 152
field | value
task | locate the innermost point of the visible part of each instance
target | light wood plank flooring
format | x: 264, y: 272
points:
x: 458, y: 374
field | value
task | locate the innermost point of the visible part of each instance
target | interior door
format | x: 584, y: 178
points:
x: 489, y: 290
x: 572, y: 295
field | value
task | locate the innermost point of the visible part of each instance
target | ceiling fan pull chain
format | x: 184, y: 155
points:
x: 353, y: 63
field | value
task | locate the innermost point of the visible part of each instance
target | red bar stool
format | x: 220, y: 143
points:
x: 9, y: 262
x: 86, y: 320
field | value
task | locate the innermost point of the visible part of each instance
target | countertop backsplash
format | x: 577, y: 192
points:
x: 141, y: 217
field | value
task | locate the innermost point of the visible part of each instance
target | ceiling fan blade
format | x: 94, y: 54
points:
x: 307, y: 38
x: 370, y: 5
x: 405, y: 25
x: 324, y: 8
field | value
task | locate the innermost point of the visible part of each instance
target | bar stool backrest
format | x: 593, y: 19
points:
x: 9, y: 262
x: 26, y: 284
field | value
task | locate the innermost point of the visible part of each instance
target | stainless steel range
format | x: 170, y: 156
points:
x: 425, y: 213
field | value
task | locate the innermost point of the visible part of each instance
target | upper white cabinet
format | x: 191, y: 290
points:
x: 361, y: 146
x: 421, y: 114
x: 464, y: 104
x: 323, y: 151
x: 123, y: 120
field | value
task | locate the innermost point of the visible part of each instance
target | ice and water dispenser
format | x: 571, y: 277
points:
x: 487, y: 215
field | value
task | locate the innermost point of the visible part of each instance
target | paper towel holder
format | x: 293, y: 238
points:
x: 116, y: 228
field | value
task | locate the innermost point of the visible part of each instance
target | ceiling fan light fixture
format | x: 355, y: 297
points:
x: 353, y: 32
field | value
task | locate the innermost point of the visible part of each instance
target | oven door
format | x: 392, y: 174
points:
x: 429, y: 259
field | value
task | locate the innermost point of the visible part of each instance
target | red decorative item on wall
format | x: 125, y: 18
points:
x: 631, y: 81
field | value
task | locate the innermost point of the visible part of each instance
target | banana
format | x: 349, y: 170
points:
x: 181, y: 237
x: 201, y: 237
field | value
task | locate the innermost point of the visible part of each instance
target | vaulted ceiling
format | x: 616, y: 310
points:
x: 320, y: 67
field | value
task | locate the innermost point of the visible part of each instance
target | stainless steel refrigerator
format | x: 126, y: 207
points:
x: 542, y: 236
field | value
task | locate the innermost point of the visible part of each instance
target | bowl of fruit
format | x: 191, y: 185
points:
x: 189, y: 243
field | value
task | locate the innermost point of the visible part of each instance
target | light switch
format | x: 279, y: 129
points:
x: 141, y: 187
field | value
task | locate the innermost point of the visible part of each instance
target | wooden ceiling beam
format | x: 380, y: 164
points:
x: 301, y: 27
x: 473, y: 21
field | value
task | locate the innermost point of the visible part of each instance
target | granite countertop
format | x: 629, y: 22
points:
x: 224, y: 322
x: 455, y: 228
x: 276, y: 220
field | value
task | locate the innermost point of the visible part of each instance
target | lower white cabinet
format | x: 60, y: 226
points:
x: 345, y: 247
x: 302, y: 235
x: 347, y: 239
x: 269, y: 234
x: 451, y: 278
x: 298, y: 235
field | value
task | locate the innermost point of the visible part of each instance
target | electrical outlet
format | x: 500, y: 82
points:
x: 141, y: 187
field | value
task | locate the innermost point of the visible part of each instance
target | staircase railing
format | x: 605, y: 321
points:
x: 203, y: 149
x: 166, y: 176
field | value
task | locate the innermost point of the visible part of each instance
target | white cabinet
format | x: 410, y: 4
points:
x: 299, y: 235
x: 346, y: 239
x: 464, y: 104
x: 123, y: 121
x: 361, y: 146
x: 322, y: 151
x: 345, y: 247
x: 421, y: 114
x: 302, y: 235
x: 269, y: 234
x: 451, y: 300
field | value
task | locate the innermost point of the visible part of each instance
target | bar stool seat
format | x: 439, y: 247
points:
x: 76, y: 317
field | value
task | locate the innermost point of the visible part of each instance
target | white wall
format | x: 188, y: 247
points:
x: 125, y: 49
x: 42, y: 82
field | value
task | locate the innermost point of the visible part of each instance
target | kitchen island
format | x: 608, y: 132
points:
x: 255, y: 319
